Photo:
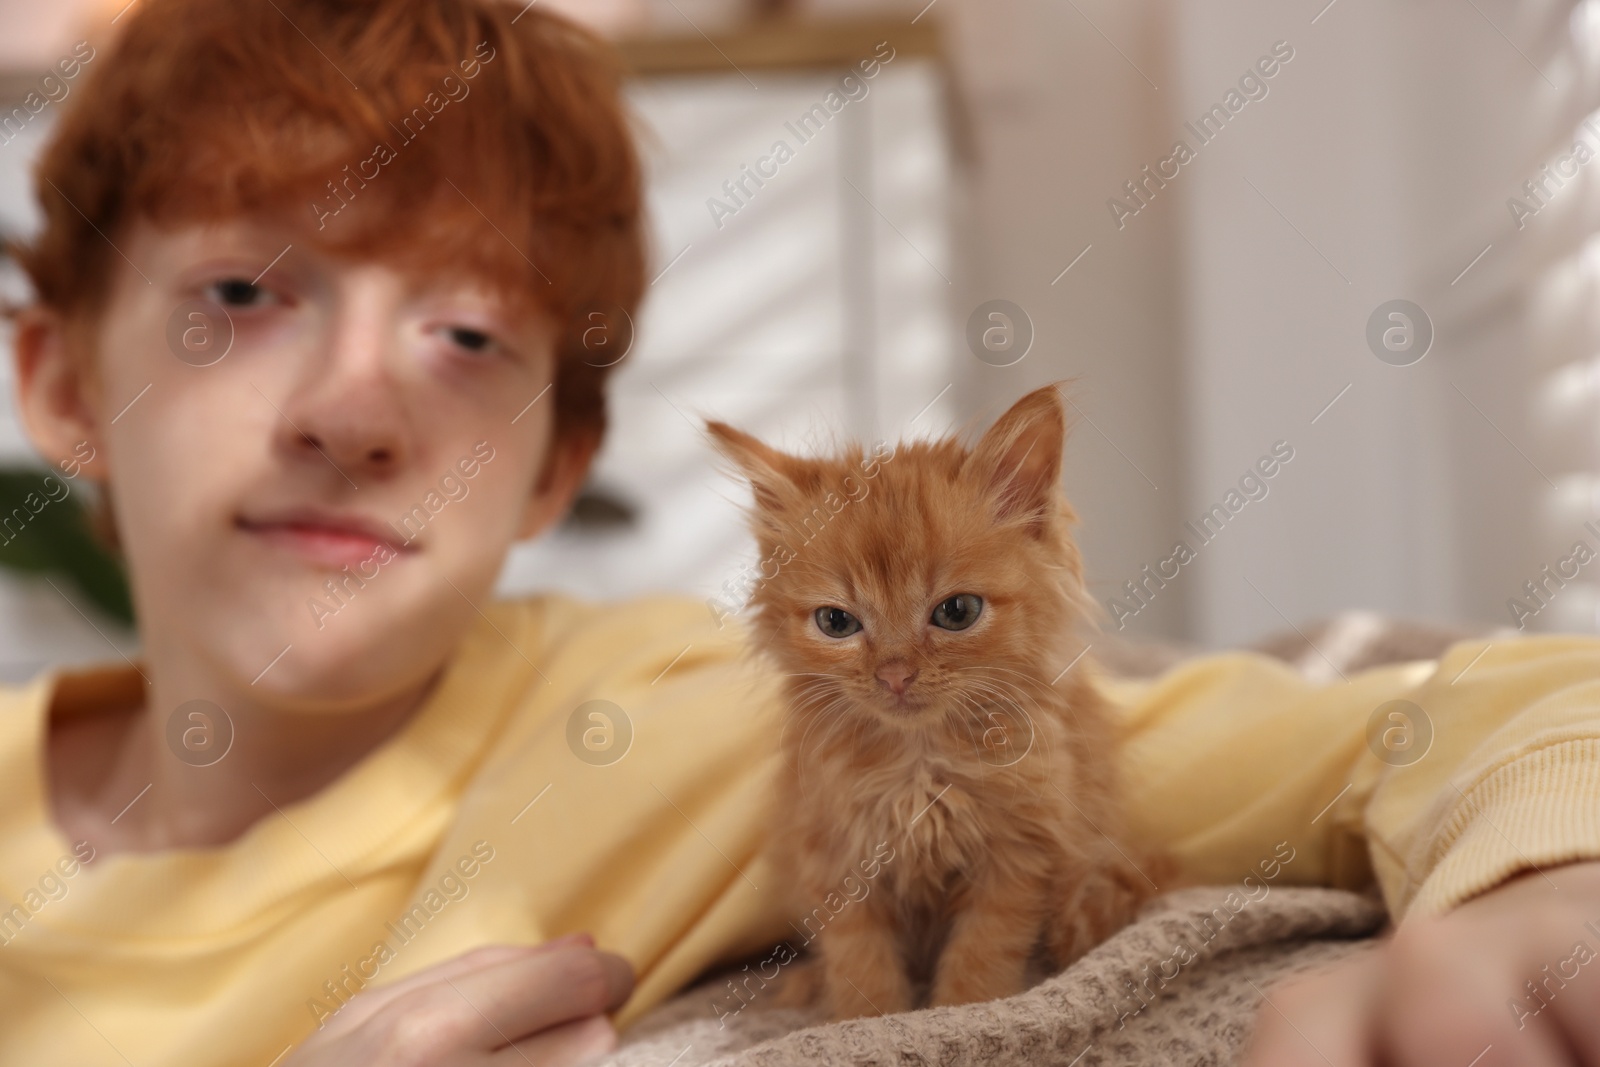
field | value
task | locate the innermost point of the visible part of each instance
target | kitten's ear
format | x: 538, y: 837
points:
x: 769, y: 471
x: 1020, y: 455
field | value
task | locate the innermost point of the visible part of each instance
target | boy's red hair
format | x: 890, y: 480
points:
x: 510, y: 153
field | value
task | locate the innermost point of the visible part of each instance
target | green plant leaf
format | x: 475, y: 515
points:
x: 44, y: 529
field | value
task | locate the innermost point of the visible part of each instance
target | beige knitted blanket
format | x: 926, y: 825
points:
x: 1182, y: 985
x: 1130, y: 1001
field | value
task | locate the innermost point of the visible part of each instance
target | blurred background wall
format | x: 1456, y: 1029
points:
x: 1219, y: 308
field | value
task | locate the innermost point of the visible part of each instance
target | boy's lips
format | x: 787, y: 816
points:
x: 326, y: 538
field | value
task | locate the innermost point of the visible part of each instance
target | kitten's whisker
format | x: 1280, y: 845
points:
x: 816, y: 720
x: 999, y: 699
x: 1035, y: 696
x: 803, y: 696
x: 987, y: 708
x: 1028, y: 682
x: 1009, y: 670
x: 1004, y: 685
x: 807, y: 703
x: 985, y: 723
x: 822, y: 715
x: 821, y: 681
x: 1005, y: 696
x: 1034, y: 689
x: 834, y: 723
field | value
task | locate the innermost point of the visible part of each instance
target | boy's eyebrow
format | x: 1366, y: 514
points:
x: 274, y: 263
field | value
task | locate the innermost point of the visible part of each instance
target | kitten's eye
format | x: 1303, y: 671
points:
x: 237, y: 293
x: 958, y: 613
x: 837, y: 622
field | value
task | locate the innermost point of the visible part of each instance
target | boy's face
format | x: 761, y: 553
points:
x: 342, y: 484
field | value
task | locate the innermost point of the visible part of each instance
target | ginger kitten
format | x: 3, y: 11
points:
x: 923, y: 608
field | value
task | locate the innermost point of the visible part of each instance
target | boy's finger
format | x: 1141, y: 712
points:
x: 1321, y: 1021
x: 484, y: 956
x: 371, y: 1001
x: 521, y: 997
x: 1455, y: 1015
x: 1578, y: 1016
x: 561, y: 1046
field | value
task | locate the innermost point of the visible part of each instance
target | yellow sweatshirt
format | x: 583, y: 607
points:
x: 512, y: 809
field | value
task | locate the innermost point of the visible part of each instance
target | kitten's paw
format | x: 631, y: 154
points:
x: 970, y: 970
x: 954, y: 987
x: 800, y: 986
x: 1104, y: 901
x: 863, y: 995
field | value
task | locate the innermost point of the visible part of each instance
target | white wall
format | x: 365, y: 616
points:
x: 1227, y: 314
x: 1391, y: 144
x: 1061, y: 117
x: 1293, y: 234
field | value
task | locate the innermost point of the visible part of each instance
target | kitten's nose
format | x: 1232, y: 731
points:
x: 896, y: 676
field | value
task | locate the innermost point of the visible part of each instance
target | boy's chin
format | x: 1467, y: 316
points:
x: 363, y: 654
x: 328, y: 684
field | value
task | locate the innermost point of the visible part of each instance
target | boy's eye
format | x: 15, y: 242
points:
x: 837, y: 622
x: 470, y: 339
x: 237, y: 293
x: 957, y: 613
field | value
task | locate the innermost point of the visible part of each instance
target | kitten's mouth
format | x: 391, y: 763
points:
x: 904, y: 707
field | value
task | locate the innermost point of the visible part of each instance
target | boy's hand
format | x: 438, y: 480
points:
x: 498, y: 1005
x: 1454, y: 991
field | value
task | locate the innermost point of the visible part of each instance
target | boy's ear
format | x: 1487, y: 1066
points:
x: 571, y: 453
x: 771, y: 473
x: 56, y: 391
x: 1020, y: 455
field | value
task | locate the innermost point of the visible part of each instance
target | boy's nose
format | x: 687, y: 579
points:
x: 374, y: 455
x: 346, y: 423
x: 347, y: 408
x: 897, y: 676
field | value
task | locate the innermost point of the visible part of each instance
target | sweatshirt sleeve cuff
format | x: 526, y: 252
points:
x: 1535, y: 813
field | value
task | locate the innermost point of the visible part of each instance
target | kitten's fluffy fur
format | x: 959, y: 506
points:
x: 992, y: 864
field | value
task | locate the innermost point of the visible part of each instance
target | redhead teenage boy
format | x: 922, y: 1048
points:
x: 406, y: 852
